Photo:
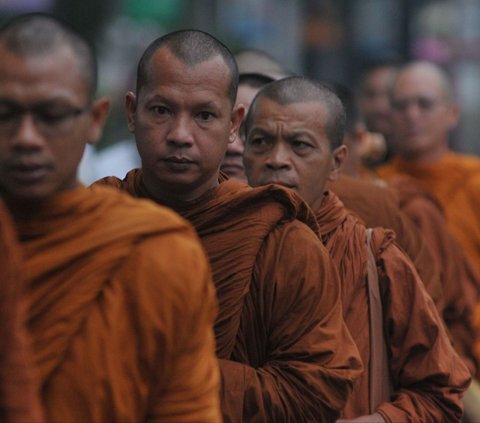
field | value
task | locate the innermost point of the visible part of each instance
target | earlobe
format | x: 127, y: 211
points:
x: 131, y: 109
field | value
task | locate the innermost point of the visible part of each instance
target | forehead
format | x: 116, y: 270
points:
x: 417, y: 82
x: 41, y: 77
x: 246, y: 94
x: 307, y: 115
x: 165, y: 71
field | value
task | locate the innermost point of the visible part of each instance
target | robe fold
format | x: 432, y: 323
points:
x: 377, y: 205
x: 428, y: 377
x: 460, y: 284
x: 120, y: 310
x: 19, y: 391
x: 454, y: 180
x: 284, y: 351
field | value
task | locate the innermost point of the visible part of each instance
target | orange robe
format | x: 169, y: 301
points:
x: 428, y: 376
x: 459, y: 282
x: 120, y: 310
x: 19, y: 393
x: 285, y: 354
x: 377, y: 205
x: 455, y: 181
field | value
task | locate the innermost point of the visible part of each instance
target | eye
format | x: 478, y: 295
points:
x: 205, y: 116
x: 300, y: 145
x: 160, y: 110
x: 257, y: 141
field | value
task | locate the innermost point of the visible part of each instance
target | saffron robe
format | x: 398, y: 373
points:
x: 19, y: 393
x: 454, y: 180
x: 427, y: 375
x: 285, y: 353
x: 121, y: 305
x: 460, y: 284
x: 377, y: 205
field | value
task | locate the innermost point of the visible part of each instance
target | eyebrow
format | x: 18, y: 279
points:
x: 168, y: 102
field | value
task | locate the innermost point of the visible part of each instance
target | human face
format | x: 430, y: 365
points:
x: 422, y: 115
x: 45, y: 120
x: 182, y: 119
x: 232, y: 164
x: 289, y: 145
x: 374, y: 100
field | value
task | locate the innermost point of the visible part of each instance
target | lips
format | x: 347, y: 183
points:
x: 178, y: 163
x: 29, y: 172
x: 282, y: 183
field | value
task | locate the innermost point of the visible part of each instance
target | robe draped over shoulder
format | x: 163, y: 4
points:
x: 459, y: 282
x: 377, y: 205
x: 454, y: 180
x: 284, y: 351
x: 19, y: 390
x: 121, y: 305
x: 428, y: 376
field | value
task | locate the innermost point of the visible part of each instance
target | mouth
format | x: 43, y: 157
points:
x: 29, y: 172
x: 178, y: 163
x: 282, y: 183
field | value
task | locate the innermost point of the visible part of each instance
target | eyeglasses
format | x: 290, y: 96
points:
x: 425, y: 104
x: 49, y: 119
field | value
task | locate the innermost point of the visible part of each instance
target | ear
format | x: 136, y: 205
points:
x: 238, y: 114
x: 339, y: 156
x: 98, y: 113
x: 131, y: 109
x: 454, y: 115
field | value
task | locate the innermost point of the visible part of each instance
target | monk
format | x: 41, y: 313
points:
x: 19, y: 394
x: 294, y: 135
x: 256, y: 68
x: 284, y: 351
x: 423, y: 114
x: 120, y: 303
x: 459, y: 283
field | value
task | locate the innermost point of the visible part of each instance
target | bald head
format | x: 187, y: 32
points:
x: 192, y: 47
x: 298, y: 89
x: 37, y: 35
x: 429, y: 71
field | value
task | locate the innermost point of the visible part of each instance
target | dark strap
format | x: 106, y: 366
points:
x: 380, y: 381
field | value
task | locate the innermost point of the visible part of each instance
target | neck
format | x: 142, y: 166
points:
x: 425, y: 156
x: 176, y: 194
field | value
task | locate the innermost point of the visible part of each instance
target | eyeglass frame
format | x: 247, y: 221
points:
x: 40, y: 118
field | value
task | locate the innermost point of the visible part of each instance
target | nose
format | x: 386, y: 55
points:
x: 236, y: 147
x: 180, y: 133
x: 26, y: 134
x: 278, y: 158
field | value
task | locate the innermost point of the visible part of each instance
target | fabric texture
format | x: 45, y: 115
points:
x: 19, y: 389
x: 377, y: 205
x: 120, y: 310
x: 285, y: 354
x: 454, y: 180
x: 428, y: 376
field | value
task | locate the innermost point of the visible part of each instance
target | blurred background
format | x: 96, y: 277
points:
x: 329, y: 39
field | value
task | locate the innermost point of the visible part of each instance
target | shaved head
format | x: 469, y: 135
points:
x: 297, y: 89
x: 192, y: 47
x: 37, y: 34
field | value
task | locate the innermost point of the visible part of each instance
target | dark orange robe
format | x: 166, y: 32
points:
x: 455, y: 181
x: 459, y: 282
x: 285, y: 353
x: 428, y: 376
x: 121, y: 306
x: 377, y: 205
x: 19, y: 393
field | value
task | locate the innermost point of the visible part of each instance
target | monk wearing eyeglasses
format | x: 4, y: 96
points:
x: 424, y: 112
x: 119, y: 300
